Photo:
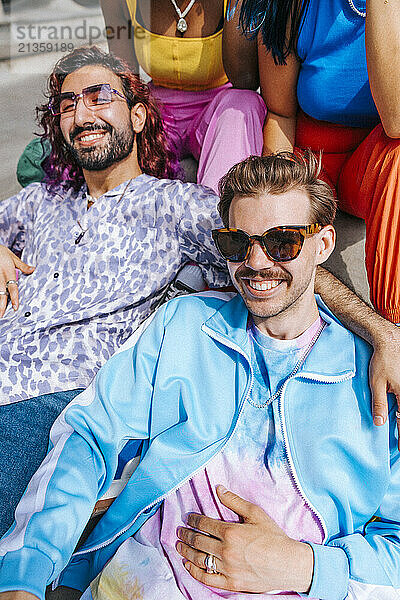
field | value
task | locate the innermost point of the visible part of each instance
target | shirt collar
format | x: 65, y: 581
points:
x: 117, y: 190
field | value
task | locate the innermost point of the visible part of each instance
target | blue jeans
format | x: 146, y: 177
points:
x: 24, y: 435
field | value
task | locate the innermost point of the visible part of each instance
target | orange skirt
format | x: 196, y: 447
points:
x: 363, y: 167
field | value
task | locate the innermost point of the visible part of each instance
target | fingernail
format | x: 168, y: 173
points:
x: 222, y: 489
x: 14, y: 307
x: 378, y: 420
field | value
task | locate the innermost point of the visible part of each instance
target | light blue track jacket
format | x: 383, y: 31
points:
x: 180, y: 386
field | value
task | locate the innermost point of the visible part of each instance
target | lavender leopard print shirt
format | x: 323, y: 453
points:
x: 84, y: 300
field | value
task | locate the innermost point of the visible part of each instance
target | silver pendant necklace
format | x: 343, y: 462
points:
x: 296, y: 369
x: 355, y: 9
x: 182, y: 25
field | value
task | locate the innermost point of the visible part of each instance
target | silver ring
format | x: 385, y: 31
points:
x: 10, y: 281
x: 397, y: 415
x: 3, y: 293
x: 210, y: 564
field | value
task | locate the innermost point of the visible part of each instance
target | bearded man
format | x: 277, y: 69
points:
x: 105, y: 235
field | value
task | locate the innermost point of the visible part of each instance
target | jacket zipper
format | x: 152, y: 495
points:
x: 291, y: 468
x: 164, y: 496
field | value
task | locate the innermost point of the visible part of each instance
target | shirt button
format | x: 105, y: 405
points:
x: 56, y: 275
x: 27, y: 314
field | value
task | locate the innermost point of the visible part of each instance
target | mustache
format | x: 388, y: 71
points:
x: 95, y: 127
x: 244, y: 272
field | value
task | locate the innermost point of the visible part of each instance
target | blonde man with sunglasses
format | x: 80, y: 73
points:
x: 262, y: 473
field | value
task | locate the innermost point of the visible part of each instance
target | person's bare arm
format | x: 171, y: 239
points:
x: 278, y: 88
x: 382, y: 40
x: 119, y: 31
x: 239, y: 54
x: 381, y: 334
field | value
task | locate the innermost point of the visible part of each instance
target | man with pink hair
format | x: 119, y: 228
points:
x: 102, y: 238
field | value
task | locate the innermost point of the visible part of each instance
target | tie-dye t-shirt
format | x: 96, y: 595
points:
x: 252, y: 464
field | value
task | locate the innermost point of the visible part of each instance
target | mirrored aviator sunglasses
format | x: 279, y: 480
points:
x: 280, y: 244
x: 94, y: 96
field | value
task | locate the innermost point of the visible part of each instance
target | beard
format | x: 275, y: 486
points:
x: 97, y: 158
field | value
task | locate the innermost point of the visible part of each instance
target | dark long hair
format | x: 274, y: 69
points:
x: 154, y: 155
x: 271, y: 18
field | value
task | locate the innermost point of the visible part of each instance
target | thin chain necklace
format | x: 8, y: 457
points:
x: 182, y: 25
x: 295, y: 370
x: 80, y: 236
x: 355, y: 9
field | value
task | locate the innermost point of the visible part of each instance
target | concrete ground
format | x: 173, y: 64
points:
x: 348, y: 260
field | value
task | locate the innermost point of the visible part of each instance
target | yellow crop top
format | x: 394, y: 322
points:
x: 191, y: 64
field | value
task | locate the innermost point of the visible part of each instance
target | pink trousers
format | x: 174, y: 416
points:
x: 219, y: 127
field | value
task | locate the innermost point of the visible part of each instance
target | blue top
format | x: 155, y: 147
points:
x: 180, y: 385
x: 333, y: 81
